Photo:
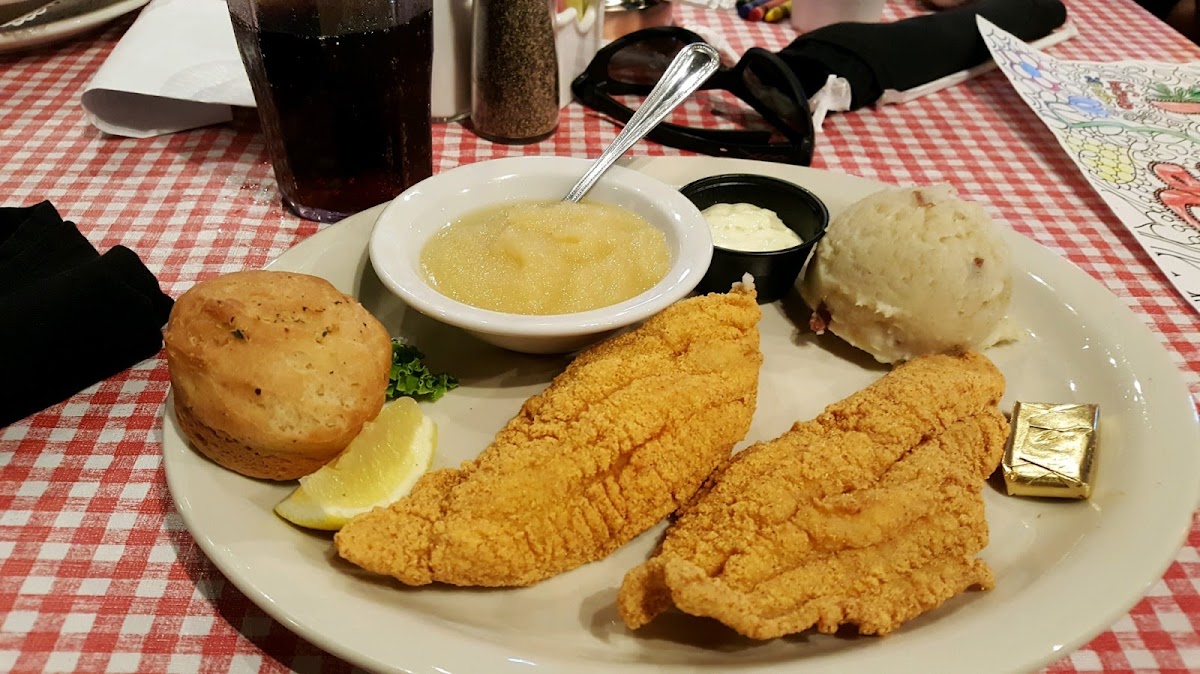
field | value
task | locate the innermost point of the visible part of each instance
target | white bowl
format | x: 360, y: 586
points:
x: 412, y: 218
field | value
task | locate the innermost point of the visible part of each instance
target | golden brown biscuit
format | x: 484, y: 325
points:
x: 273, y: 373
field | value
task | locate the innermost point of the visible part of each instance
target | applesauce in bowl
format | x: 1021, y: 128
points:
x: 418, y: 216
x: 546, y: 257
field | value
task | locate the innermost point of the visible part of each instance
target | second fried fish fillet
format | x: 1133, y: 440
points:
x: 868, y: 515
x: 621, y: 439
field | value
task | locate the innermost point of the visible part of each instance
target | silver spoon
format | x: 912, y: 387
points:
x: 690, y: 68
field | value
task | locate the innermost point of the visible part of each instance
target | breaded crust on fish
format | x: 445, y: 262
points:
x: 621, y: 439
x: 870, y: 514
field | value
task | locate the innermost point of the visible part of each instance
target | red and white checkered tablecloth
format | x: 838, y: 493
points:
x: 98, y: 574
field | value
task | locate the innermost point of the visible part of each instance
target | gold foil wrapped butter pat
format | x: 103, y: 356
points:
x: 1052, y: 450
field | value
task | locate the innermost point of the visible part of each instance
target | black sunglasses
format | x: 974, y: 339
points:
x: 632, y: 65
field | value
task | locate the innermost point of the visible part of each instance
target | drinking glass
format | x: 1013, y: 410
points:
x: 343, y: 93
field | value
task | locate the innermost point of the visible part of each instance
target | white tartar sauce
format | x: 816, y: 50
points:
x: 748, y: 227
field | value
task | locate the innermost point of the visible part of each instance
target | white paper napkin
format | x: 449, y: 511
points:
x: 176, y: 68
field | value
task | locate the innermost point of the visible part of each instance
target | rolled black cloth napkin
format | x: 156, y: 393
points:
x: 69, y: 316
x: 901, y: 55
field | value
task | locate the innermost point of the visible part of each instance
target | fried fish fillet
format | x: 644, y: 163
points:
x: 870, y: 514
x: 621, y: 439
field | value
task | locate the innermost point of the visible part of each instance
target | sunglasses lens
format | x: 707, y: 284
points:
x: 644, y: 61
x: 777, y: 129
x: 770, y: 85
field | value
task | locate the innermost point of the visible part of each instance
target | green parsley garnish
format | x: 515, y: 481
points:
x: 411, y: 377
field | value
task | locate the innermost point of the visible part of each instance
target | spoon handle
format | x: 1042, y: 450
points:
x: 691, y: 67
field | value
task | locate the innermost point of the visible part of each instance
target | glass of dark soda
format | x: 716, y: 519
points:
x: 342, y: 89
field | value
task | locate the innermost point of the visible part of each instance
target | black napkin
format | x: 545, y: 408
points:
x: 874, y: 57
x: 69, y: 316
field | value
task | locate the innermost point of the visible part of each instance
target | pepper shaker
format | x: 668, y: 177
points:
x: 514, y: 71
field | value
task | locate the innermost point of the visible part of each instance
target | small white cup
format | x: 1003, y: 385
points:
x: 812, y: 14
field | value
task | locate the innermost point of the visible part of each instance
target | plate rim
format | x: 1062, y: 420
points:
x: 1101, y: 621
x: 42, y: 34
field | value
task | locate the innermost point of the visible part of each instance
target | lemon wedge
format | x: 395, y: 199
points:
x: 379, y: 467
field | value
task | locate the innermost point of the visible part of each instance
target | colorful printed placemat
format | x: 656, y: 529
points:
x: 1133, y: 129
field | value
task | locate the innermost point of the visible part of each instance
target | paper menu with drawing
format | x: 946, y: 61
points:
x: 1133, y: 129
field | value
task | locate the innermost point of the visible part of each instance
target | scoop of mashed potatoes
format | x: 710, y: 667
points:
x: 908, y: 272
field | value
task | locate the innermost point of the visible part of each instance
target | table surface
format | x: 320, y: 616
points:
x: 98, y: 573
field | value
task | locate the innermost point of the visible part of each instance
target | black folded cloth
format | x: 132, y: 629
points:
x: 69, y: 316
x: 875, y: 57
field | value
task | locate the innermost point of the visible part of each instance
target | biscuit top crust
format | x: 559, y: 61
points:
x: 283, y: 360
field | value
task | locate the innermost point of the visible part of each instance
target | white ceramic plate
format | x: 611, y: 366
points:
x: 1064, y: 570
x: 91, y: 15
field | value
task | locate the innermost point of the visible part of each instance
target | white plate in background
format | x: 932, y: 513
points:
x: 91, y: 14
